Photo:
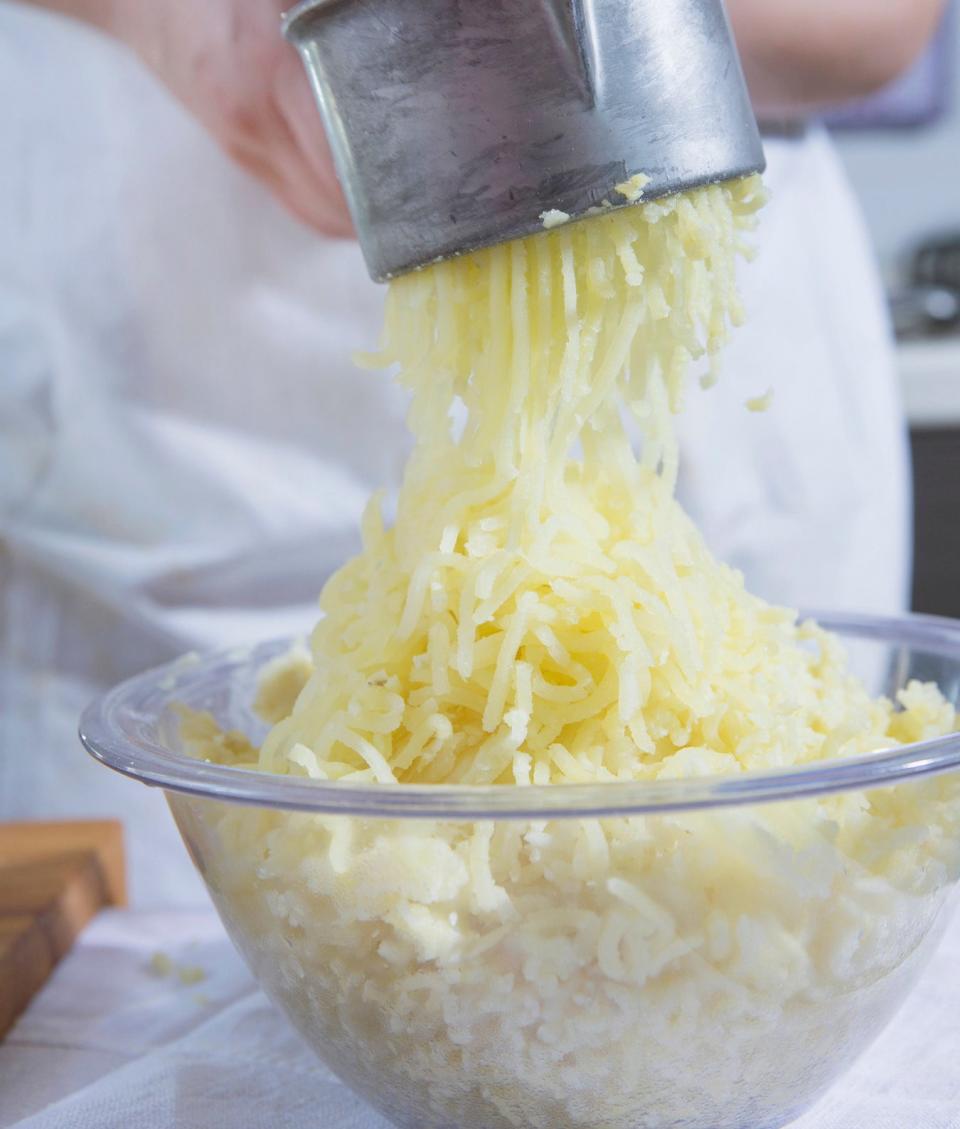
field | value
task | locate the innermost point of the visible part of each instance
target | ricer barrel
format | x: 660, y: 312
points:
x: 456, y: 124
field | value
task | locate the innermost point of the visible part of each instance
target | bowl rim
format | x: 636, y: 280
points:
x: 115, y: 730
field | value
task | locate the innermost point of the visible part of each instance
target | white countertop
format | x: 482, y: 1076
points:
x: 111, y: 1043
x: 930, y: 380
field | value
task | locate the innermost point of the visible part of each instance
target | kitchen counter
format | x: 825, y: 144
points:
x: 930, y: 381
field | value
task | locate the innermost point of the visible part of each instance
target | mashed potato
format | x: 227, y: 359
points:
x: 543, y: 612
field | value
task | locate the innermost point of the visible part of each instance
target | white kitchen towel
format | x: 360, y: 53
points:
x: 243, y: 1069
x: 216, y: 1055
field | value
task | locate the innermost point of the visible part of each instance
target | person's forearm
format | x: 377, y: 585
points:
x: 802, y: 55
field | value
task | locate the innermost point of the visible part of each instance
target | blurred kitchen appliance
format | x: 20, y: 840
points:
x: 927, y: 302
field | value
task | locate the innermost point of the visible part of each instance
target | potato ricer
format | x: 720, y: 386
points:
x: 456, y: 124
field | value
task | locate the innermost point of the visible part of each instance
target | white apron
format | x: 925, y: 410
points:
x: 185, y: 449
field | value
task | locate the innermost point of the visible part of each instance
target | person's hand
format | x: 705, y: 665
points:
x: 228, y: 63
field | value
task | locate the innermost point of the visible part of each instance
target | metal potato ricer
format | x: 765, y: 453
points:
x: 456, y: 124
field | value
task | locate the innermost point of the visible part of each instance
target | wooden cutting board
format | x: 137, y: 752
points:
x: 53, y: 878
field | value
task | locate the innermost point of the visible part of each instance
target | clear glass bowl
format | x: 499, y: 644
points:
x: 704, y: 953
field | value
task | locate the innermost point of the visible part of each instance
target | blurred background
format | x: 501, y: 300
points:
x: 902, y: 152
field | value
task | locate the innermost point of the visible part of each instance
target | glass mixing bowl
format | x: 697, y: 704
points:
x: 706, y: 953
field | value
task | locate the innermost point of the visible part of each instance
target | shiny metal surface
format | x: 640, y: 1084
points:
x: 456, y: 123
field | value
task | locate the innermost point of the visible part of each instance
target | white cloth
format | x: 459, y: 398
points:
x: 810, y: 498
x: 109, y: 1045
x: 185, y: 449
